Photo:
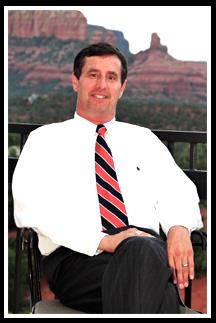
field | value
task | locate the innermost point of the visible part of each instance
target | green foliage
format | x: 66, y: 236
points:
x: 200, y: 261
x: 14, y: 151
x: 45, y: 109
x: 61, y: 104
x: 203, y: 203
x: 182, y: 155
x: 201, y: 156
x: 13, y: 139
x: 162, y: 115
x: 50, y: 50
x: 13, y: 144
x: 200, y: 258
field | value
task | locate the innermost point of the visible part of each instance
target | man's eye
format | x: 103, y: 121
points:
x: 93, y: 75
x: 112, y: 77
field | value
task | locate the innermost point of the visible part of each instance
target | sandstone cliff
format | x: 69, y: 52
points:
x: 69, y: 24
x: 42, y: 46
x: 155, y: 71
x: 62, y: 24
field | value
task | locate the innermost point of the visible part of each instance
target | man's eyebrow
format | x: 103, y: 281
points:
x: 97, y: 70
x: 92, y: 70
x: 113, y: 73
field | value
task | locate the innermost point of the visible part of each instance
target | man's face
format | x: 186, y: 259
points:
x: 99, y: 88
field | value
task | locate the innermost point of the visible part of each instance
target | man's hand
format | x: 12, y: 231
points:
x: 180, y: 255
x: 109, y: 243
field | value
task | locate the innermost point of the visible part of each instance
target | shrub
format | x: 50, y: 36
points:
x: 200, y: 258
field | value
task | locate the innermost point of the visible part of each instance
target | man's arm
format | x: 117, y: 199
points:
x: 109, y: 243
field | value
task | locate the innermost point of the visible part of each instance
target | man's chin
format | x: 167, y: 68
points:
x: 99, y: 108
x: 102, y: 115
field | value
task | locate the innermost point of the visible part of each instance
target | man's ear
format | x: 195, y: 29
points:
x: 122, y: 88
x: 74, y: 81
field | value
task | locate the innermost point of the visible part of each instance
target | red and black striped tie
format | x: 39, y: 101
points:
x: 112, y: 208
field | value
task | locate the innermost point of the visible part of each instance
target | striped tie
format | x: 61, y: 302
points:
x: 112, y: 208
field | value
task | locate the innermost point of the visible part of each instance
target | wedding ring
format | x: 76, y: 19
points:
x: 185, y: 265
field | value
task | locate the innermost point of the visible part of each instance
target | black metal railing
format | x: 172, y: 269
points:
x: 169, y: 137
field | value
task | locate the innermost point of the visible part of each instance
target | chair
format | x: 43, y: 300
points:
x: 27, y: 240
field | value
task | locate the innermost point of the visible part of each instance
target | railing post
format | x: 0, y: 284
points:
x: 17, y: 274
x: 170, y: 147
x: 193, y: 155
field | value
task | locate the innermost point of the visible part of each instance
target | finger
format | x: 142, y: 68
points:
x: 174, y: 277
x: 172, y: 266
x: 137, y: 232
x: 191, y: 267
x: 131, y: 231
x: 188, y: 268
x: 185, y: 272
x: 179, y: 269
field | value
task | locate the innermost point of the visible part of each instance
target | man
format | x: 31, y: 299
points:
x: 96, y: 190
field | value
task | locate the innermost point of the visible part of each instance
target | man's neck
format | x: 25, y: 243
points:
x: 95, y: 120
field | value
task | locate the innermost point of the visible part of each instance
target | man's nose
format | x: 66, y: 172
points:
x: 101, y: 82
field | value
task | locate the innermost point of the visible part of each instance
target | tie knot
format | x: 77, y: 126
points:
x: 101, y: 129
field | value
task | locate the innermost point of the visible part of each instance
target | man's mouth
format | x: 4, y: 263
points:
x: 100, y: 96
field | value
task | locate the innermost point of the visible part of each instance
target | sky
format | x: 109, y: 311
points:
x: 185, y: 30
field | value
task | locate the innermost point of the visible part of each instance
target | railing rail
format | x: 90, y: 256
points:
x: 165, y: 135
x: 169, y: 137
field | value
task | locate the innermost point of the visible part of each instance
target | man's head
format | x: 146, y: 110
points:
x: 99, y: 78
x: 99, y: 49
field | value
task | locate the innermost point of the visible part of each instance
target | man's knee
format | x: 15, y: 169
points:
x: 144, y: 248
x: 141, y: 243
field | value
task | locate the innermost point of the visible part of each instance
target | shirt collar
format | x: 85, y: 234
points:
x: 90, y: 125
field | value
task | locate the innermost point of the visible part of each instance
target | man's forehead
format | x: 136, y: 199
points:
x: 103, y: 61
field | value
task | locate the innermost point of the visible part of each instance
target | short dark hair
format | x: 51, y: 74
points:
x: 99, y: 49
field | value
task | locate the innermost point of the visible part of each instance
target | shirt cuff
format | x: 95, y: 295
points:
x: 98, y: 251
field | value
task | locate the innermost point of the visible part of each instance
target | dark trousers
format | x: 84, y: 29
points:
x: 136, y: 278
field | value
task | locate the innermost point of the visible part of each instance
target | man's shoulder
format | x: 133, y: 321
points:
x: 53, y: 128
x: 137, y: 133
x: 124, y: 126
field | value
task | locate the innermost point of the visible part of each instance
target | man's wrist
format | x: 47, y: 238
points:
x: 176, y: 227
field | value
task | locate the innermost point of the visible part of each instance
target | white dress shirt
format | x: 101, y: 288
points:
x: 54, y: 186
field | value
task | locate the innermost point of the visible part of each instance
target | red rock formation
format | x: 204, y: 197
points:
x: 111, y: 38
x: 69, y: 24
x: 43, y: 73
x: 155, y: 71
x: 97, y: 36
x: 106, y: 36
x: 151, y: 72
x: 155, y: 43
